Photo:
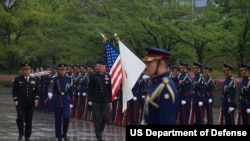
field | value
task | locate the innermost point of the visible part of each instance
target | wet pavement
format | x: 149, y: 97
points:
x: 43, y: 125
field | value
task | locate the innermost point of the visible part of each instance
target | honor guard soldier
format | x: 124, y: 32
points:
x: 209, y: 94
x: 244, y: 97
x: 60, y: 90
x: 26, y: 96
x: 184, y: 90
x: 198, y: 95
x: 228, y: 95
x: 161, y: 105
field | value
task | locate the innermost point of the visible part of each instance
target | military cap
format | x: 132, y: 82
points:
x: 197, y: 64
x: 25, y: 65
x: 175, y: 68
x: 208, y: 68
x: 227, y: 67
x: 153, y: 53
x: 244, y: 66
x: 183, y: 64
x: 62, y: 66
x: 91, y: 66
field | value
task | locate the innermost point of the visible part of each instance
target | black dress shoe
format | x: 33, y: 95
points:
x: 20, y: 137
x: 59, y: 139
x: 27, y: 139
x: 65, y: 138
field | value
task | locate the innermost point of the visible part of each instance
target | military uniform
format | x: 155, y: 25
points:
x: 244, y: 95
x: 61, y: 87
x: 161, y: 104
x: 184, y: 90
x: 25, y: 91
x: 209, y: 96
x: 228, y: 97
x: 100, y: 95
x: 198, y: 95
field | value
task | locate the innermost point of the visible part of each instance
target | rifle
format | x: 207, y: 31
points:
x: 118, y: 113
x: 191, y: 116
x: 238, y: 116
x: 72, y: 112
x: 78, y: 108
x: 221, y: 117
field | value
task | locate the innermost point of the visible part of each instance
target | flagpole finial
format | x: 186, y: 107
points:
x: 103, y: 37
x: 116, y: 37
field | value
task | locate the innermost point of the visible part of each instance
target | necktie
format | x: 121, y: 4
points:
x: 27, y: 79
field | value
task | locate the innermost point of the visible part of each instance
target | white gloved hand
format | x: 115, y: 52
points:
x: 50, y: 95
x: 230, y: 109
x: 183, y: 102
x: 145, y: 76
x: 78, y: 93
x: 210, y: 100
x: 143, y: 96
x: 71, y: 106
x: 248, y: 110
x: 83, y: 94
x: 134, y: 98
x: 200, y: 103
x: 115, y: 98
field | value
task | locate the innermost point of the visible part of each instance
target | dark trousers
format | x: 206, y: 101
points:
x: 61, y: 118
x: 101, y: 114
x: 24, y: 115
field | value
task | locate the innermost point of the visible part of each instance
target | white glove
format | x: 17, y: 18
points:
x: 143, y: 96
x: 183, y: 102
x: 115, y: 98
x: 145, y: 76
x: 83, y: 94
x: 134, y: 98
x: 78, y: 93
x: 50, y: 95
x: 71, y: 106
x: 230, y: 109
x: 248, y: 110
x: 210, y: 100
x: 200, y: 103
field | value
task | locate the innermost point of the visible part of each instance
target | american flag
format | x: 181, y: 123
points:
x: 113, y: 62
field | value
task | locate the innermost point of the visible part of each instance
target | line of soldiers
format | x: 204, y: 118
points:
x: 194, y: 87
x: 81, y: 110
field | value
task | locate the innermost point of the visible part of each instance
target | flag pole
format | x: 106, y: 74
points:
x: 103, y: 37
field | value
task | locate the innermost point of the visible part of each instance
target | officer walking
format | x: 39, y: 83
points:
x: 100, y: 98
x: 161, y: 103
x: 26, y: 96
x: 60, y: 90
x: 244, y: 97
x: 228, y: 95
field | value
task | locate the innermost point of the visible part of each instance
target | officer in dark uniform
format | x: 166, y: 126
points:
x: 100, y: 98
x: 209, y: 94
x: 60, y: 90
x: 228, y: 95
x: 161, y: 105
x: 244, y: 96
x: 198, y: 93
x: 25, y: 95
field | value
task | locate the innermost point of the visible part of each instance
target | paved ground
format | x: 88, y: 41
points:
x: 43, y: 124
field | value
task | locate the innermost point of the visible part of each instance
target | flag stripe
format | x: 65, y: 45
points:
x: 113, y: 61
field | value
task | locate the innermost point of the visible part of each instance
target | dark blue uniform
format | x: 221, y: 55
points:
x: 161, y: 104
x: 244, y: 96
x: 25, y: 91
x: 61, y: 87
x: 198, y: 96
x: 185, y: 88
x: 228, y: 97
